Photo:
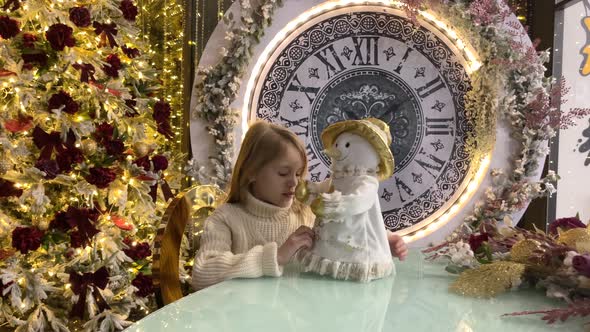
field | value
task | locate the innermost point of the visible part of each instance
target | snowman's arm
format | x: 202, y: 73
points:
x: 359, y: 201
x: 306, y: 191
x: 317, y: 188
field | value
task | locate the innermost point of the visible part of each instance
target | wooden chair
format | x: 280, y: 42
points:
x: 186, y: 213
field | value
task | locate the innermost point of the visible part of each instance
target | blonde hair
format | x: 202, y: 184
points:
x: 264, y: 142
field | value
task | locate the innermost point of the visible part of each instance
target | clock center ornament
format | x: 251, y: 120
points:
x: 435, y: 75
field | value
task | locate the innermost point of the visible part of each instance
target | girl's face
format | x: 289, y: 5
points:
x: 275, y: 182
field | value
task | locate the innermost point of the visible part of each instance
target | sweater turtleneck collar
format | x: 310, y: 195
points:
x: 262, y: 209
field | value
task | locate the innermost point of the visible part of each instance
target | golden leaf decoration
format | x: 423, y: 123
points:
x: 522, y: 250
x: 488, y: 280
x: 577, y: 238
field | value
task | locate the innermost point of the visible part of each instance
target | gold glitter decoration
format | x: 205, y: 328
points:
x: 5, y: 163
x: 578, y: 238
x: 488, y: 280
x: 141, y: 149
x: 301, y: 192
x: 89, y: 146
x: 522, y: 250
x: 317, y: 206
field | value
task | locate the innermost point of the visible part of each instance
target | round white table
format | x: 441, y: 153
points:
x: 416, y: 299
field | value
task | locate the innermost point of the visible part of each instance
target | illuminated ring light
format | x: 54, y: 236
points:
x: 297, y: 13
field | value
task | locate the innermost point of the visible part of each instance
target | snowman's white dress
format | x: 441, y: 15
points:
x: 351, y: 240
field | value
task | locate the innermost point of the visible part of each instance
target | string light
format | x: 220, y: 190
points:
x: 167, y: 54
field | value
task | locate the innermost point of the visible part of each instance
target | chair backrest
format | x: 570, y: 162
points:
x: 186, y: 213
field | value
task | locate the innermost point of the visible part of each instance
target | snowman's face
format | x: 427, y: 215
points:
x: 354, y: 150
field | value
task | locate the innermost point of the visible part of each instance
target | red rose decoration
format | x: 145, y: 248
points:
x: 143, y: 162
x: 564, y: 224
x: 25, y: 239
x: 161, y: 114
x: 143, y: 284
x: 78, y: 240
x: 60, y: 99
x: 162, y: 111
x: 101, y: 177
x: 8, y: 27
x: 581, y: 263
x: 160, y: 163
x: 114, y: 148
x: 60, y: 222
x: 137, y: 251
x: 59, y: 36
x: 129, y: 10
x: 104, y: 132
x: 80, y: 16
x: 475, y: 241
x: 68, y: 157
x: 114, y: 64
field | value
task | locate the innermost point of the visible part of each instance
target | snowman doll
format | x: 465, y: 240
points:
x: 351, y: 239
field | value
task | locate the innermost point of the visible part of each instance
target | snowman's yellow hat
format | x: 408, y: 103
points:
x: 374, y: 131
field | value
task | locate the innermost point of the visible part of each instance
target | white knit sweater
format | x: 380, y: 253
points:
x: 240, y: 240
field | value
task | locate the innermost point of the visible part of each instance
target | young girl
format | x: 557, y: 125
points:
x: 260, y: 227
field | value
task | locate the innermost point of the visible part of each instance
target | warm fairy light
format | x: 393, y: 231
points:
x: 473, y: 185
x: 468, y: 52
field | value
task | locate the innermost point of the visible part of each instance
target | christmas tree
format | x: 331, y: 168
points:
x: 84, y: 168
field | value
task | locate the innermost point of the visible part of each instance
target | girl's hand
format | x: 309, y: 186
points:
x: 397, y: 245
x: 302, y: 238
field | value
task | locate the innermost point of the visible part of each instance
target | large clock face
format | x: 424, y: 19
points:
x: 361, y: 62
